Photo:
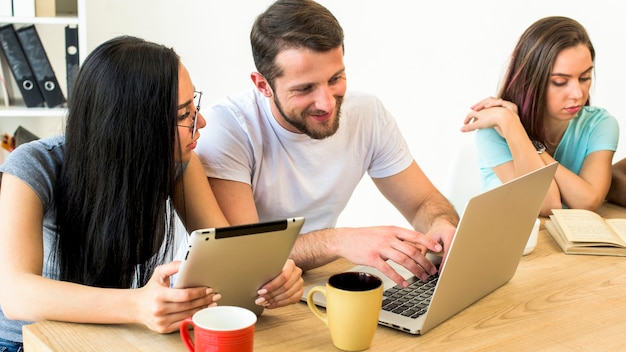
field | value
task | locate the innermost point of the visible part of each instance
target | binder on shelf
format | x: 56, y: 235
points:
x: 16, y: 59
x: 71, y: 57
x: 40, y: 65
x: 4, y: 90
x: 22, y: 135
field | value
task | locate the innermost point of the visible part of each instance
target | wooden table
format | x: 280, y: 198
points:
x: 554, y: 302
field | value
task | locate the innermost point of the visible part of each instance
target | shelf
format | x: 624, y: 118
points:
x: 40, y: 20
x: 32, y: 112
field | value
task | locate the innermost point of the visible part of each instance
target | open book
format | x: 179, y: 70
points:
x: 580, y: 231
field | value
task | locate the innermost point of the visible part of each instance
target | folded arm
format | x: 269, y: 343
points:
x: 584, y: 191
x: 502, y: 116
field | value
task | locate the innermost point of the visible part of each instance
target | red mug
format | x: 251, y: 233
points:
x: 220, y: 328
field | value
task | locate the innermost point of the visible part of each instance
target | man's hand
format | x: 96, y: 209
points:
x: 373, y: 246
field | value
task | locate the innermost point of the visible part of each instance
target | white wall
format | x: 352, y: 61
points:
x: 428, y: 61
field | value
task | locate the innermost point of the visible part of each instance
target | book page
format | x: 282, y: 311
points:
x: 585, y: 226
x: 619, y: 227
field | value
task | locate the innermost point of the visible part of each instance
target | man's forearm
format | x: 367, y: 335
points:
x: 436, y: 208
x: 617, y: 191
x: 315, y: 249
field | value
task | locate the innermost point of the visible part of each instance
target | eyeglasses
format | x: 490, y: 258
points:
x: 196, y: 101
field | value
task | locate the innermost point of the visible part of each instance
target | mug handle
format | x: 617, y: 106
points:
x: 184, y: 334
x: 309, y: 301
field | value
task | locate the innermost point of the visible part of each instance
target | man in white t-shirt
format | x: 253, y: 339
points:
x: 298, y: 144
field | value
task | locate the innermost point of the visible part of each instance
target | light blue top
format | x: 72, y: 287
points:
x: 592, y: 130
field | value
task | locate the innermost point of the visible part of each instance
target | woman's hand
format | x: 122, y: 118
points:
x: 285, y: 289
x: 491, y: 112
x: 162, y: 308
x: 491, y: 102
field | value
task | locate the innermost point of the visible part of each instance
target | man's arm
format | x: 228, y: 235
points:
x: 236, y: 200
x: 369, y: 246
x: 310, y: 251
x: 194, y: 201
x: 617, y: 191
x: 417, y: 199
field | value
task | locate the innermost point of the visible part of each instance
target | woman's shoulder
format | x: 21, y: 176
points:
x: 594, y: 115
x: 46, y: 148
x: 39, y: 156
x: 594, y: 112
x: 36, y: 163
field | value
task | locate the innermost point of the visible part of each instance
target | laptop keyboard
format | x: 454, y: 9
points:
x: 411, y: 301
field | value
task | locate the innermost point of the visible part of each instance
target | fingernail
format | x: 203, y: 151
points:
x: 217, y: 297
x: 262, y: 291
x: 260, y: 301
x: 208, y: 291
x: 438, y: 247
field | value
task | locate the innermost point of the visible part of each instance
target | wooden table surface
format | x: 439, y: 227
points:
x: 554, y: 302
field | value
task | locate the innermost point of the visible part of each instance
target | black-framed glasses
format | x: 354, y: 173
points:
x: 197, y: 97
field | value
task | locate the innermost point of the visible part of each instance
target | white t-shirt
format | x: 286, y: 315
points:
x: 292, y: 174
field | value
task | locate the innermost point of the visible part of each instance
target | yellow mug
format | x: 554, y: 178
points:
x: 353, y: 303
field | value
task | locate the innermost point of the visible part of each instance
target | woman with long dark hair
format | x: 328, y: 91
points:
x: 542, y: 114
x: 88, y: 218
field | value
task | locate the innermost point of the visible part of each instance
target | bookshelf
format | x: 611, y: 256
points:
x: 22, y: 111
x: 42, y: 121
x: 16, y: 108
x: 63, y: 20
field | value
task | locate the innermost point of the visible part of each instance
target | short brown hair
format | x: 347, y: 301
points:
x: 292, y: 24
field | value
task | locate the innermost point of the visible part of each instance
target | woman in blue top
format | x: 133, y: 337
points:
x: 543, y: 115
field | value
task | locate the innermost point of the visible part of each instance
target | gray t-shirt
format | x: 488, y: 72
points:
x: 36, y: 163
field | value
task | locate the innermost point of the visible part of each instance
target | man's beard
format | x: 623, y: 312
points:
x: 325, y: 129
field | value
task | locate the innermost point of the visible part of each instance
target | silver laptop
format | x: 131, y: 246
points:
x: 484, y: 255
x: 236, y: 261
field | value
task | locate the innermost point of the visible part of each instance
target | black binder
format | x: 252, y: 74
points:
x: 22, y: 135
x: 39, y: 63
x: 71, y: 57
x: 15, y: 57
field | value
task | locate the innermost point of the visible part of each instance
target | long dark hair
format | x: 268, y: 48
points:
x: 113, y: 204
x: 528, y: 74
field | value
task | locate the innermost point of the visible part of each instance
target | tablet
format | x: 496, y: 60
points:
x: 236, y: 261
